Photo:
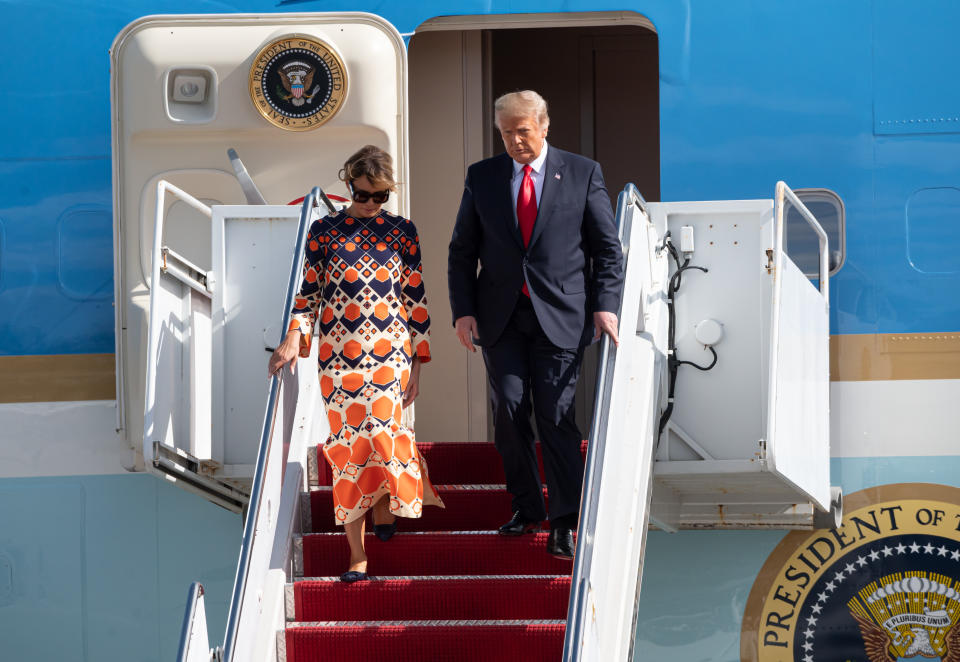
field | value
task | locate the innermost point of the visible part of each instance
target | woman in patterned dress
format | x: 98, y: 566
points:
x: 362, y: 279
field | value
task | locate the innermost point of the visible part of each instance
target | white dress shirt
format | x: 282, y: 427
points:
x: 536, y: 175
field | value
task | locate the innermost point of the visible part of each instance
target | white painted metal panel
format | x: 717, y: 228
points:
x: 194, y: 641
x: 798, y: 437
x: 201, y: 383
x: 768, y: 380
x: 166, y: 419
x: 870, y: 420
x: 251, y: 265
x: 738, y: 452
x: 93, y: 447
x: 609, y: 565
x: 720, y: 410
x: 178, y: 388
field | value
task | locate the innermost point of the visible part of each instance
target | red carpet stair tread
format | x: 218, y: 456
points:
x: 470, y: 463
x: 479, y: 553
x: 479, y: 507
x: 428, y: 641
x: 434, y: 598
x: 446, y: 587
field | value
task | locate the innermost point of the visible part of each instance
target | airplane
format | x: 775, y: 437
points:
x: 157, y: 489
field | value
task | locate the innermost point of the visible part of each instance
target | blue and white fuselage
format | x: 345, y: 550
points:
x: 856, y: 98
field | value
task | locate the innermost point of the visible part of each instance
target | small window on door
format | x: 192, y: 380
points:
x: 803, y: 247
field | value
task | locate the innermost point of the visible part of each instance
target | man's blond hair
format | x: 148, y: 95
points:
x: 525, y: 103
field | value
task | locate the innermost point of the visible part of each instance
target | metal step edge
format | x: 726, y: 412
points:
x: 454, y: 487
x: 426, y: 624
x: 298, y: 556
x: 486, y: 532
x: 289, y: 603
x: 313, y: 467
x: 429, y: 578
x: 306, y: 512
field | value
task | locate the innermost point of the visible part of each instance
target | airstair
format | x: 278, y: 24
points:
x: 667, y: 448
x: 446, y: 586
x: 713, y: 412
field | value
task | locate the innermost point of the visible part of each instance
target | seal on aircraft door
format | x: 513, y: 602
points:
x: 883, y: 587
x: 297, y: 82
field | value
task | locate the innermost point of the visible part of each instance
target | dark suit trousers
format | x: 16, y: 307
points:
x: 524, y: 367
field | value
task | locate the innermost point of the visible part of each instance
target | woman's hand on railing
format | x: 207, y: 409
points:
x: 286, y: 353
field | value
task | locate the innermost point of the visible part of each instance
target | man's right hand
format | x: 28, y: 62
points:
x: 466, y: 328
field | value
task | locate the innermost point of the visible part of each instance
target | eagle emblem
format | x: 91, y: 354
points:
x: 911, y: 617
x: 296, y: 77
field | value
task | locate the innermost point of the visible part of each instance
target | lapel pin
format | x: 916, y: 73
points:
x: 557, y: 176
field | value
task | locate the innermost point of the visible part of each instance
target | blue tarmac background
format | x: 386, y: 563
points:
x: 97, y: 568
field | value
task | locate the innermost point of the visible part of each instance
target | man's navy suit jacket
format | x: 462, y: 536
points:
x: 573, y: 265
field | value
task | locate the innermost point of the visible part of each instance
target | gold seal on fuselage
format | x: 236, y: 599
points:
x: 883, y: 586
x: 297, y: 82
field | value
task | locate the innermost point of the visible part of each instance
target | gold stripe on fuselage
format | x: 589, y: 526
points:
x: 57, y: 378
x: 853, y: 358
x: 894, y: 356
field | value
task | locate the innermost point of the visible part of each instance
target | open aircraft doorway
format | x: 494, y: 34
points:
x: 599, y: 75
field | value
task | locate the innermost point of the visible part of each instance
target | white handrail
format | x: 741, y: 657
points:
x: 154, y: 337
x: 583, y: 559
x: 159, y: 219
x: 784, y: 192
x: 194, y: 644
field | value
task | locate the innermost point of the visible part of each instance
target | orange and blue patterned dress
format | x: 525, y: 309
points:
x: 363, y: 280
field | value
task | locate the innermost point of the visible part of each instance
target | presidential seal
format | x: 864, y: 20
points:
x: 884, y: 587
x: 297, y: 83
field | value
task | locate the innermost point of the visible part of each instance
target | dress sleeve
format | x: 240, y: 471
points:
x: 414, y: 295
x: 307, y: 304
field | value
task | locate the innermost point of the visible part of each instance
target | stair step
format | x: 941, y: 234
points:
x: 465, y: 593
x: 460, y: 553
x: 399, y: 641
x: 453, y: 463
x: 468, y: 508
x: 510, y: 597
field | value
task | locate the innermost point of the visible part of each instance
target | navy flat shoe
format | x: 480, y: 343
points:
x: 385, y: 531
x: 353, y: 576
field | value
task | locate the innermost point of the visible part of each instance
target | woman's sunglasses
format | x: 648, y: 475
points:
x: 379, y: 197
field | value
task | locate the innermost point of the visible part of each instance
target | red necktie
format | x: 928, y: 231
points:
x: 526, y: 210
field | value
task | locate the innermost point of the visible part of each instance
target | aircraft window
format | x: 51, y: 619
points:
x: 802, y: 244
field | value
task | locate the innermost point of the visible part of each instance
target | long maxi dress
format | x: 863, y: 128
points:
x: 362, y: 277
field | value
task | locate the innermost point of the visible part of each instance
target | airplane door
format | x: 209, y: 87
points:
x: 294, y: 94
x: 747, y: 440
x: 798, y: 410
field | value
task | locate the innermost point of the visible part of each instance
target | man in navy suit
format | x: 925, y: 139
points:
x: 538, y: 221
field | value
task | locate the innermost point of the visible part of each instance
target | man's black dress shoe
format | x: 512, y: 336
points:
x: 560, y: 543
x: 517, y: 526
